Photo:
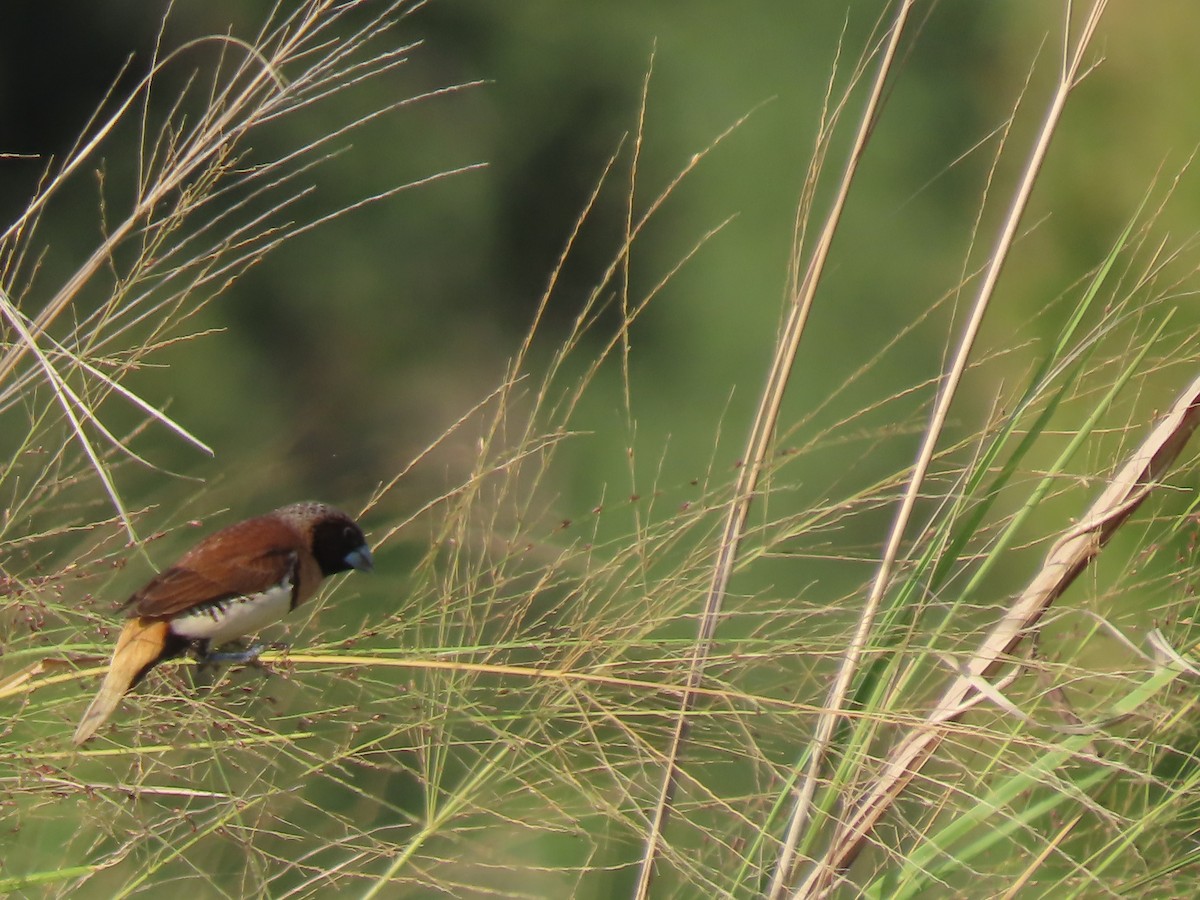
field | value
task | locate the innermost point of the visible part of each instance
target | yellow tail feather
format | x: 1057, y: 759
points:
x: 141, y: 643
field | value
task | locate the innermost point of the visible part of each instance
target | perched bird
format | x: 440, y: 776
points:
x: 231, y: 584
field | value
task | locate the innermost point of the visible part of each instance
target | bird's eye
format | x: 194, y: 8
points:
x: 348, y: 533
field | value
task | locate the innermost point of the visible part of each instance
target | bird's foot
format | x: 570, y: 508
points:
x: 233, y: 656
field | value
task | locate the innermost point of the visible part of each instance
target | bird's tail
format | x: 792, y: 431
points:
x: 142, y: 643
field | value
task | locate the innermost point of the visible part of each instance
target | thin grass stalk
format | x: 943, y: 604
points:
x: 762, y: 433
x: 837, y: 696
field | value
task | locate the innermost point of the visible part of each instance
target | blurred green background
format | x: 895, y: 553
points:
x: 337, y: 359
x: 354, y: 346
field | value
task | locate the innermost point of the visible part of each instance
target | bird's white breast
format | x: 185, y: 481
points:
x: 236, y: 617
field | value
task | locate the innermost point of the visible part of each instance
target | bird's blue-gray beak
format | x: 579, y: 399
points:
x: 361, y: 559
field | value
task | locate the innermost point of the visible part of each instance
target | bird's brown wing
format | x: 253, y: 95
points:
x: 243, y: 559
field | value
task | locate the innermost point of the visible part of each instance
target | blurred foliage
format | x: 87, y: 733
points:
x: 351, y: 348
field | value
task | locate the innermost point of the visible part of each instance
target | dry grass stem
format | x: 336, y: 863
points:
x: 1069, y: 556
x: 946, y: 394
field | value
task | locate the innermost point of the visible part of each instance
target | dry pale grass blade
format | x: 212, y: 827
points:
x: 21, y: 325
x: 1069, y: 556
x: 762, y: 434
x: 23, y: 679
x: 832, y: 714
x: 72, y: 407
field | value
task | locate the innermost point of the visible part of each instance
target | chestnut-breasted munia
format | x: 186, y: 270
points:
x: 231, y: 584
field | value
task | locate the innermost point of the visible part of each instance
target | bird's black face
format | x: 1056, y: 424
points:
x: 339, y: 545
